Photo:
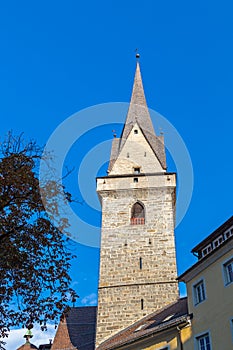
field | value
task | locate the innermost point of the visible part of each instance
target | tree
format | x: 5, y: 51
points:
x: 34, y: 257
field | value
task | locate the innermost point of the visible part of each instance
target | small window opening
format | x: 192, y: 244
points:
x: 127, y: 155
x: 145, y: 154
x: 142, y: 304
x: 140, y: 263
x: 125, y: 244
x: 137, y: 214
x: 135, y: 179
x: 136, y: 170
x: 150, y: 241
x: 136, y: 131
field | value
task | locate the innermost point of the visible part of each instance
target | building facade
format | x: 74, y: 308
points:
x: 137, y: 260
x: 210, y: 291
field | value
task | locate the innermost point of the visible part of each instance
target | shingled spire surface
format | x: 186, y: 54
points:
x: 138, y: 112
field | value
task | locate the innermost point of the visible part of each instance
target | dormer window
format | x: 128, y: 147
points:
x: 206, y: 250
x: 218, y: 241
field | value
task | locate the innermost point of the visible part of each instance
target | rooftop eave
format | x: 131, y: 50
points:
x: 206, y: 261
x: 214, y: 234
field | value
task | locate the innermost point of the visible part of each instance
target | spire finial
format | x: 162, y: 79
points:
x: 28, y: 335
x: 137, y: 54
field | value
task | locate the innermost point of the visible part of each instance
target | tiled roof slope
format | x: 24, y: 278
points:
x: 79, y: 329
x: 27, y: 346
x: 45, y: 346
x: 139, y: 113
x: 170, y: 316
x: 114, y: 152
x: 81, y: 323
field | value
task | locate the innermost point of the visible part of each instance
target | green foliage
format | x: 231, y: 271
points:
x: 34, y: 258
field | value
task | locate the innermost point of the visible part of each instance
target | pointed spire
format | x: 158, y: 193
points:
x: 138, y: 111
x: 138, y: 96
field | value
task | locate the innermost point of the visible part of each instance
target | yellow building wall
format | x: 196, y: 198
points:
x: 172, y: 343
x: 213, y: 315
x: 186, y: 338
x: 168, y: 339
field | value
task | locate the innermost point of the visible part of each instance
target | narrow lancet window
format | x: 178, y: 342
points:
x: 140, y: 263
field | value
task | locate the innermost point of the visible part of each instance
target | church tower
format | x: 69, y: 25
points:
x: 137, y: 260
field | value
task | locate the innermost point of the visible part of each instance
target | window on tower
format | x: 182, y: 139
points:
x: 136, y: 170
x: 140, y: 263
x: 138, y: 214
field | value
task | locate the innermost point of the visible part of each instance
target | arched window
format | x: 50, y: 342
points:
x: 137, y: 214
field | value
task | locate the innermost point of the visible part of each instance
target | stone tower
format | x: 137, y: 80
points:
x: 137, y: 260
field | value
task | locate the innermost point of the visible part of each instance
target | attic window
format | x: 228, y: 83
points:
x: 136, y: 131
x: 228, y: 233
x: 206, y: 250
x: 218, y: 241
x: 135, y: 179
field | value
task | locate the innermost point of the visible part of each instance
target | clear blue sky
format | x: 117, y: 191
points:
x: 58, y: 57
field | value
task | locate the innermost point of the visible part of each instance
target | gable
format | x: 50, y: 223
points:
x: 136, y: 153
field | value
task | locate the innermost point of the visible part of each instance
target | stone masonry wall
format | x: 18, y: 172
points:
x: 138, y: 262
